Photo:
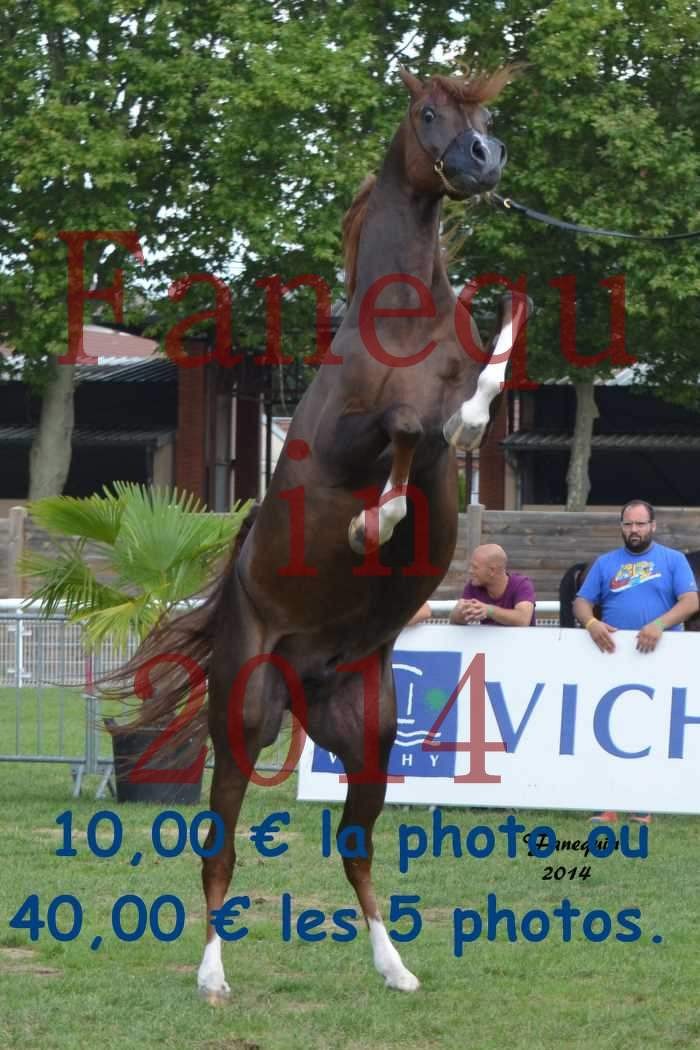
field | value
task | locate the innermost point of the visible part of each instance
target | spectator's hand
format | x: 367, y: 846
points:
x: 467, y: 611
x: 459, y: 613
x: 648, y: 638
x: 476, y: 611
x: 602, y: 635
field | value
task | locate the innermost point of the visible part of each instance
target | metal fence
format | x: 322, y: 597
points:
x: 45, y: 671
x: 45, y: 676
x: 546, y: 612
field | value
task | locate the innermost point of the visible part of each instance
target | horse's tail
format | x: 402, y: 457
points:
x: 570, y: 583
x: 168, y: 671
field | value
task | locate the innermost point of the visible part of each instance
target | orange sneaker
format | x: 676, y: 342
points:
x: 607, y: 817
x: 641, y: 818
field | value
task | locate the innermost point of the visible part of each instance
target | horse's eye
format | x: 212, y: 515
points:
x: 428, y: 115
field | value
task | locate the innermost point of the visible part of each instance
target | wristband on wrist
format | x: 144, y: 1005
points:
x: 593, y: 619
x: 489, y: 612
x: 660, y: 623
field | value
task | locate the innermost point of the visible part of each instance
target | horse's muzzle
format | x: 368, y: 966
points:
x: 473, y: 163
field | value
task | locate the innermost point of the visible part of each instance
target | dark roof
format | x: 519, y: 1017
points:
x: 156, y: 370
x: 159, y: 370
x: 541, y: 441
x: 105, y: 344
x: 21, y: 434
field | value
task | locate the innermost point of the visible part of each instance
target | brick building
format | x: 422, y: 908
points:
x: 138, y: 417
x: 211, y: 430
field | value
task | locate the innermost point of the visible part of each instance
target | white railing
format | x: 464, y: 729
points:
x: 35, y: 649
x: 548, y: 611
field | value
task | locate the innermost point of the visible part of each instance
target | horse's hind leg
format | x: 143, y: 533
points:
x: 342, y: 725
x: 363, y: 805
x: 227, y: 792
x: 259, y: 725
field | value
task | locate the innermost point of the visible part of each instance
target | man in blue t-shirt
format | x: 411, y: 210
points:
x: 494, y: 596
x: 642, y: 586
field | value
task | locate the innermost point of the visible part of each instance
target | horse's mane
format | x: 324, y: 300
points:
x: 474, y: 89
x: 352, y: 226
x: 451, y: 240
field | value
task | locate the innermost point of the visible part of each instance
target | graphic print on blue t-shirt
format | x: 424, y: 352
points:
x: 418, y: 706
x: 630, y: 574
x: 636, y: 589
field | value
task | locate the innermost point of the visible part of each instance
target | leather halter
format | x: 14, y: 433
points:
x: 439, y: 164
x: 439, y: 169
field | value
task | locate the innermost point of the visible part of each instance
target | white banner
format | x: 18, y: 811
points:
x: 581, y: 729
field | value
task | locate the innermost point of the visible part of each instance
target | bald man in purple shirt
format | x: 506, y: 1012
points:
x: 493, y: 595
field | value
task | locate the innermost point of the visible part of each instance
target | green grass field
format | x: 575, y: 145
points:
x: 288, y: 995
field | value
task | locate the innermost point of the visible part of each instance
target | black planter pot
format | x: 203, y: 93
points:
x: 155, y: 780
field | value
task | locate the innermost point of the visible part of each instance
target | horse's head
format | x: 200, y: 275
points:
x: 449, y: 148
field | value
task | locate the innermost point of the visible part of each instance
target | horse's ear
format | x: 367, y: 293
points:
x: 412, y: 83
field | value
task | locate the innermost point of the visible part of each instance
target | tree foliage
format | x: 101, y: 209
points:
x: 232, y: 136
x: 602, y: 129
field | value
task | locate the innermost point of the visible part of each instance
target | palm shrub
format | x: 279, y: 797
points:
x: 157, y: 546
x: 156, y: 549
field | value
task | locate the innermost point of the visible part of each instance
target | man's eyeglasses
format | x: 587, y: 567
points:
x: 635, y: 524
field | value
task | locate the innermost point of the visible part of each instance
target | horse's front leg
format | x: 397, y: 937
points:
x: 467, y: 425
x: 371, y: 528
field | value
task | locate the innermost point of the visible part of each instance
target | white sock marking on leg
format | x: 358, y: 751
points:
x: 388, y: 961
x: 210, y: 976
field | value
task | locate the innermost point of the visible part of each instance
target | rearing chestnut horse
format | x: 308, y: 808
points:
x: 329, y: 574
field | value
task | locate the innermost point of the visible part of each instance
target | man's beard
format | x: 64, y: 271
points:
x: 637, y: 546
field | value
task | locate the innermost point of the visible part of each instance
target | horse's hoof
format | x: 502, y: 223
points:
x: 462, y: 435
x: 403, y: 982
x: 215, y: 996
x: 356, y: 538
x: 214, y: 989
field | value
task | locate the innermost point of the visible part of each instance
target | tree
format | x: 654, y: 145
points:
x: 232, y: 138
x: 229, y: 136
x: 602, y: 129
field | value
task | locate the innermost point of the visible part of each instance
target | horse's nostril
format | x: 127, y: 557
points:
x: 478, y: 152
